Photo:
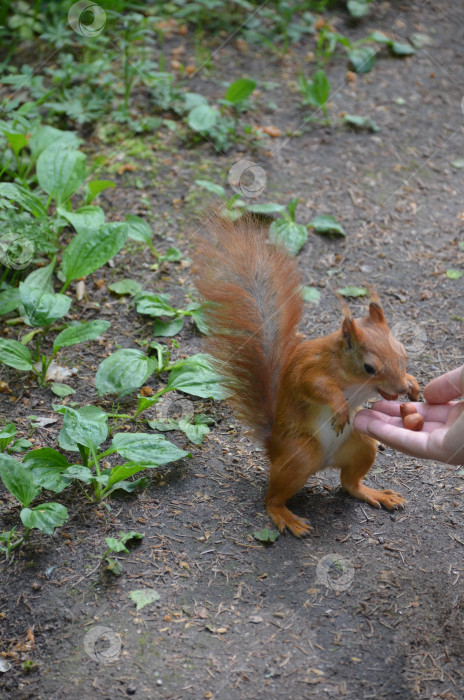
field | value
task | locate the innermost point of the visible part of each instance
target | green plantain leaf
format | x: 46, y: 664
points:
x: 89, y: 250
x: 45, y: 517
x: 82, y: 333
x: 123, y: 372
x: 60, y: 172
x: 18, y: 480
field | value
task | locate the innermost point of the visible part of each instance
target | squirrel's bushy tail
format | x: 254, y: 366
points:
x: 256, y: 305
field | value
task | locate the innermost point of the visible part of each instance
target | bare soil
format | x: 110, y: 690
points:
x: 237, y: 619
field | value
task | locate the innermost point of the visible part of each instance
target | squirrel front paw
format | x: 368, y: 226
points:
x: 340, y: 418
x: 413, y: 388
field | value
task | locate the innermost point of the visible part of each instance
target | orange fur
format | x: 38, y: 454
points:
x: 256, y: 305
x: 298, y: 397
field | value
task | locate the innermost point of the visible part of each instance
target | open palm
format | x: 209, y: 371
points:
x: 441, y: 438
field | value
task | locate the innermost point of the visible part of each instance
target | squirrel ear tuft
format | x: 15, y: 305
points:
x: 375, y: 307
x: 345, y: 307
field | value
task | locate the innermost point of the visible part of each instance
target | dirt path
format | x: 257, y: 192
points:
x: 236, y: 619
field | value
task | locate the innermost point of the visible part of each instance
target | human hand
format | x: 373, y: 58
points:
x: 441, y: 438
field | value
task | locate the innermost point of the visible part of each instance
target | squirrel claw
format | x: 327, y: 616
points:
x: 339, y: 421
x: 413, y: 388
x: 391, y: 500
x: 286, y: 520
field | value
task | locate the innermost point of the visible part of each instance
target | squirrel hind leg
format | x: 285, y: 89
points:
x: 284, y: 519
x: 355, y: 459
x: 292, y: 461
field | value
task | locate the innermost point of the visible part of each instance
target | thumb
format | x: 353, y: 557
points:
x: 446, y: 388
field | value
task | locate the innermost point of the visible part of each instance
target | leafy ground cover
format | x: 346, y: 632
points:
x: 137, y: 558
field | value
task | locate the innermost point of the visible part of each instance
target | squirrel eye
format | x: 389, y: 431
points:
x: 369, y: 369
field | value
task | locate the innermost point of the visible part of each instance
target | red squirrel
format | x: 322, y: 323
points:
x: 298, y: 396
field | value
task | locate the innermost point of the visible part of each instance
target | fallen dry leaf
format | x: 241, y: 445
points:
x: 56, y: 373
x: 43, y: 421
x: 80, y: 291
x: 126, y: 166
x: 272, y: 131
x: 256, y: 619
x: 177, y: 51
x: 4, y: 665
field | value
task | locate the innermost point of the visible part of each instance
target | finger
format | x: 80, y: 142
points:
x: 456, y: 416
x: 391, y: 408
x: 364, y: 417
x: 431, y: 427
x: 445, y: 388
x: 438, y: 413
x: 408, y: 441
x: 370, y: 414
x: 453, y: 441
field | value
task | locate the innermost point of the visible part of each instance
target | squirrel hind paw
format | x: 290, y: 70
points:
x: 391, y: 500
x: 284, y: 519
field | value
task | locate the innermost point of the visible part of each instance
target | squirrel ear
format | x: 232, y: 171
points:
x: 349, y: 328
x: 376, y: 312
x: 350, y: 331
x: 346, y: 331
x: 375, y: 307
